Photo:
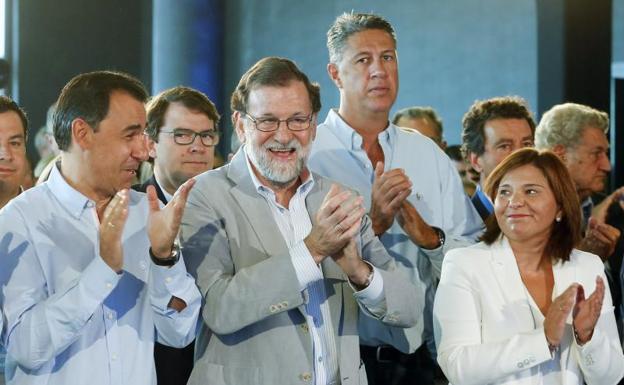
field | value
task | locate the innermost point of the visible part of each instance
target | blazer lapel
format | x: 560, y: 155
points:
x: 254, y: 207
x: 507, y: 274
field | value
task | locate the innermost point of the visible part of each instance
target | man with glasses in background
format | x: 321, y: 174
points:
x: 182, y: 129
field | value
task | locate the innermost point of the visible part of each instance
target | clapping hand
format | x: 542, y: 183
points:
x: 587, y: 311
x: 111, y: 229
x: 390, y: 189
x: 163, y: 224
x: 337, y: 221
x: 558, y: 312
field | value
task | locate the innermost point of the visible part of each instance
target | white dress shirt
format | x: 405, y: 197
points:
x: 71, y: 319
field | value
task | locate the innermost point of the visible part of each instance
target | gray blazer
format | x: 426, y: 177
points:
x: 252, y: 301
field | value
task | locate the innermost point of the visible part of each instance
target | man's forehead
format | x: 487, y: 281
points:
x: 369, y: 38
x: 270, y: 97
x: 11, y: 125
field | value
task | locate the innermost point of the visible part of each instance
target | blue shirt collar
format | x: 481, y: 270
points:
x: 70, y: 198
x: 351, y: 139
x: 487, y: 203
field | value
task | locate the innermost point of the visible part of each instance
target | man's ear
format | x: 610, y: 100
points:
x: 334, y: 75
x: 151, y: 148
x: 239, y: 127
x: 81, y: 133
x: 475, y: 162
x: 560, y: 151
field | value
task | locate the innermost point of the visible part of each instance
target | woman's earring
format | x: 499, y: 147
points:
x: 558, y: 219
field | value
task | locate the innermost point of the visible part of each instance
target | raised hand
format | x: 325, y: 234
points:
x: 111, y: 229
x: 587, y: 311
x: 560, y: 308
x: 600, y: 238
x: 337, y: 221
x: 163, y: 224
x: 390, y: 189
x: 416, y: 228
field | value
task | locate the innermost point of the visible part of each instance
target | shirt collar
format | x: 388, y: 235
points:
x: 168, y: 197
x: 484, y: 198
x: 304, y: 188
x: 350, y: 138
x: 73, y: 200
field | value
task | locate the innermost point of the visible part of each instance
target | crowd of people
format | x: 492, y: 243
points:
x: 348, y: 251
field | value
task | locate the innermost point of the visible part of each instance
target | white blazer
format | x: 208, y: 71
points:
x: 485, y: 331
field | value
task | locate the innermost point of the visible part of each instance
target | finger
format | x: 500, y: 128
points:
x: 350, y: 219
x: 353, y: 229
x: 111, y: 205
x: 379, y: 169
x: 397, y: 202
x: 343, y: 211
x: 181, y: 195
x: 398, y: 181
x: 152, y: 199
x: 610, y: 232
x: 600, y: 238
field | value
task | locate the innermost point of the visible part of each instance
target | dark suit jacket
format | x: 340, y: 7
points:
x: 481, y: 209
x: 173, y: 365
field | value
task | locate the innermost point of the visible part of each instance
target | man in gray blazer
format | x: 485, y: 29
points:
x: 287, y: 256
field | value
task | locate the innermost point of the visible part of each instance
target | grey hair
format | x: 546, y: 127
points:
x: 418, y: 112
x: 564, y: 125
x: 350, y: 23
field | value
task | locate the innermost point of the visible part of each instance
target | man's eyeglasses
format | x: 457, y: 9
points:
x: 184, y: 137
x: 296, y: 123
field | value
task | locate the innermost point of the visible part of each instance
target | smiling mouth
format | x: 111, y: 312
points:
x: 282, y: 152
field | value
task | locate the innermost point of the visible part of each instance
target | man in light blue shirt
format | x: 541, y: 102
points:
x: 92, y: 273
x: 412, y: 190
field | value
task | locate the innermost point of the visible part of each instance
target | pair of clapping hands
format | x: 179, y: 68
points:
x: 585, y: 313
x: 340, y: 216
x: 162, y: 224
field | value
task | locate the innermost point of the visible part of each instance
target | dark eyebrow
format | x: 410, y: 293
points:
x: 18, y: 136
x: 132, y: 128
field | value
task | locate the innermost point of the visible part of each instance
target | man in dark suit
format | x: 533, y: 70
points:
x: 181, y: 125
x: 493, y: 129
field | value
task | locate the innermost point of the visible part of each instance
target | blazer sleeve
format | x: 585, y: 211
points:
x: 601, y: 360
x: 235, y: 296
x: 457, y: 318
x: 405, y: 300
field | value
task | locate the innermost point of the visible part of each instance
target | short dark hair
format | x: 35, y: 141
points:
x: 566, y: 234
x: 350, y: 23
x: 454, y: 152
x: 7, y: 104
x: 87, y: 96
x: 276, y: 72
x: 190, y: 98
x: 506, y: 107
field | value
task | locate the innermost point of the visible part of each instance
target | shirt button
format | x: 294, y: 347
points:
x: 110, y: 315
x: 114, y: 356
x: 168, y: 279
x: 305, y: 376
x: 109, y: 285
x: 320, y: 359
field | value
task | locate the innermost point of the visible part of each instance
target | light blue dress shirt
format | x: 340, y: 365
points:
x: 437, y: 194
x: 294, y: 224
x: 70, y: 318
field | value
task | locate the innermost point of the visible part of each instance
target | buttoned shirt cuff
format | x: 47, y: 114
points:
x: 97, y: 281
x: 372, y: 297
x: 306, y: 268
x: 167, y: 282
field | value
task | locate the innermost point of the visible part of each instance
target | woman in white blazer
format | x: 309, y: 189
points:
x: 523, y: 306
